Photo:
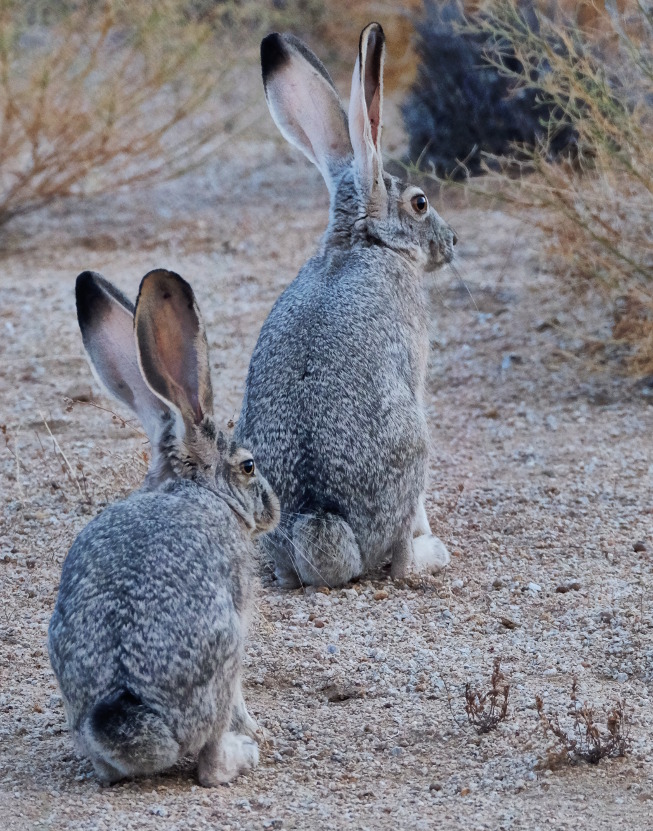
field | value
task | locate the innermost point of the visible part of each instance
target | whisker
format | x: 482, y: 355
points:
x: 326, y: 553
x: 304, y: 557
x: 292, y: 562
x: 462, y: 281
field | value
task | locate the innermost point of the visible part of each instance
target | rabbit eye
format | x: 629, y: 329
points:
x: 420, y: 203
x: 247, y: 467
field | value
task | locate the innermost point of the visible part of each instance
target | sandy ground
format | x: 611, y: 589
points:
x: 542, y: 477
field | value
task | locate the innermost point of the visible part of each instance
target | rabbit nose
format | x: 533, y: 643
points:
x: 454, y: 236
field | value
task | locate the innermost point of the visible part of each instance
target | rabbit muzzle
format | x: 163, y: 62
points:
x: 441, y: 247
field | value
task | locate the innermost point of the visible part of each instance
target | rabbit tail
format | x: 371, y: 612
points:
x: 125, y: 737
x: 325, y: 550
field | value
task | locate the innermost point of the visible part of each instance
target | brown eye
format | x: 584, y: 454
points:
x: 420, y: 203
x: 247, y: 467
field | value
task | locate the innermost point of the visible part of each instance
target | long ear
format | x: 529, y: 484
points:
x: 366, y: 117
x: 172, y: 348
x: 304, y: 104
x: 106, y: 320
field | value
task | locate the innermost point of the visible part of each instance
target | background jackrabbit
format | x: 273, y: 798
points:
x: 333, y: 407
x: 147, y: 633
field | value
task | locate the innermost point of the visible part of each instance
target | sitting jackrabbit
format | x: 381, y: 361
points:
x: 147, y: 634
x: 333, y: 408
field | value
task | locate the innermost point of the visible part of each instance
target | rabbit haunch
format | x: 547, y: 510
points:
x: 333, y: 406
x: 147, y: 634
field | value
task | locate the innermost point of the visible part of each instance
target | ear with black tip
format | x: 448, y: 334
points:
x: 106, y: 320
x: 366, y: 117
x: 304, y: 104
x: 172, y: 348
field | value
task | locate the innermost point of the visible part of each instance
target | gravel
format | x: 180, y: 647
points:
x: 541, y: 486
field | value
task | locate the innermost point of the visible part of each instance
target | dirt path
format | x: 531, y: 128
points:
x: 542, y: 478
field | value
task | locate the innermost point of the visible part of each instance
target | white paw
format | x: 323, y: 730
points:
x: 429, y: 553
x: 240, y: 752
x: 220, y: 764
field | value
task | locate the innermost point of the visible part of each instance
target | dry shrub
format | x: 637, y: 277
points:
x: 485, y: 711
x: 99, y: 94
x: 585, y: 741
x: 595, y: 204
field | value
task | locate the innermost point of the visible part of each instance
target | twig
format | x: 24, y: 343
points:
x: 63, y: 455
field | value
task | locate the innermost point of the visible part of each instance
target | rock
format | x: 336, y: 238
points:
x: 79, y: 392
x: 568, y: 587
x: 509, y: 623
x: 381, y: 595
x: 639, y: 546
x: 337, y: 693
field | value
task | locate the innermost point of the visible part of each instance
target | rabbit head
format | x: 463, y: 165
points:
x: 154, y: 359
x: 368, y: 205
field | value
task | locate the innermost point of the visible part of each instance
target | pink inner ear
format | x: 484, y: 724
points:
x: 373, y: 115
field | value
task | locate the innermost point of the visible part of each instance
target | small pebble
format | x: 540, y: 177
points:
x: 574, y: 586
x: 509, y: 623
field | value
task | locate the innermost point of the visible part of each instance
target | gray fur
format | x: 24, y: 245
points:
x: 333, y: 408
x: 147, y: 634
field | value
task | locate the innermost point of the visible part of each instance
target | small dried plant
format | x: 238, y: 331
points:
x: 585, y: 741
x: 485, y: 711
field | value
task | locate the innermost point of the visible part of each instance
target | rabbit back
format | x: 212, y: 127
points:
x: 152, y: 608
x: 332, y: 402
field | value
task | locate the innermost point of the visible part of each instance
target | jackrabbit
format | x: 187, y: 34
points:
x: 147, y: 633
x: 333, y: 408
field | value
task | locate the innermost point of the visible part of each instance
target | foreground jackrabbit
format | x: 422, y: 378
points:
x: 147, y: 633
x: 333, y: 409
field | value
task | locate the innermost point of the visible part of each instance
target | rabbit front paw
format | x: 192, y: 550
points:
x: 220, y: 763
x: 430, y: 554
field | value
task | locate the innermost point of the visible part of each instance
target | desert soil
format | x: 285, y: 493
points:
x: 541, y: 486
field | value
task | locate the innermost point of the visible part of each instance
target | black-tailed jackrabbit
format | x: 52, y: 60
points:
x: 147, y: 633
x: 333, y: 409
